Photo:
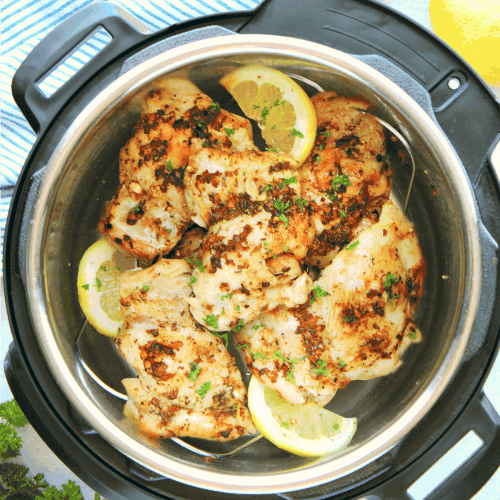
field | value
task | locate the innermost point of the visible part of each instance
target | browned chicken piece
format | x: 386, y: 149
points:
x: 190, y: 245
x: 148, y: 215
x: 357, y: 323
x: 346, y: 179
x: 258, y: 236
x: 188, y: 385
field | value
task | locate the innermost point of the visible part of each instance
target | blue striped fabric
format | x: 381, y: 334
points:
x: 26, y: 22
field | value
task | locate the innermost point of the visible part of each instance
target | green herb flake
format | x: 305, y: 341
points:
x: 316, y: 157
x: 343, y: 214
x: 289, y: 375
x: 264, y: 114
x: 227, y: 296
x: 412, y: 335
x: 169, y: 166
x: 341, y: 180
x: 256, y: 327
x: 145, y: 287
x: 336, y: 427
x: 238, y: 307
x: 229, y: 131
x: 205, y: 144
x: 212, y: 320
x: 235, y: 407
x: 341, y: 364
x: 352, y: 245
x: 301, y: 203
x: 349, y: 319
x: 98, y: 284
x: 320, y: 147
x: 196, y: 262
x: 239, y: 326
x: 390, y: 280
x: 169, y: 231
x: 118, y: 268
x: 286, y: 425
x: 214, y: 107
x: 296, y: 133
x: 327, y: 134
x: 286, y: 182
x: 195, y: 371
x: 202, y: 391
x: 156, y: 157
x: 192, y: 281
x: 256, y: 106
x: 86, y: 286
x: 321, y: 368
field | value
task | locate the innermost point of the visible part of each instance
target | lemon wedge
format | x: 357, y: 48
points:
x: 472, y: 28
x: 99, y: 285
x: 279, y: 105
x: 307, y: 430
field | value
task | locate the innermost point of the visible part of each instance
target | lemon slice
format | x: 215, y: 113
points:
x: 279, y: 105
x: 307, y: 430
x: 99, y: 285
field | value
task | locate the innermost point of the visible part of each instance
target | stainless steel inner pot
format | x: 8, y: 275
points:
x: 83, y: 173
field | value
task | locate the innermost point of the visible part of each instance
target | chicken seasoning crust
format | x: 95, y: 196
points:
x: 228, y: 235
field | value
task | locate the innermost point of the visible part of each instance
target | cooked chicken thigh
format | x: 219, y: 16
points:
x: 188, y: 383
x: 346, y: 179
x: 148, y: 215
x: 258, y: 235
x: 357, y: 323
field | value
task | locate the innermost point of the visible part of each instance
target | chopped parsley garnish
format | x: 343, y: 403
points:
x: 169, y: 231
x: 235, y: 407
x: 341, y: 180
x: 197, y: 263
x: 390, y: 280
x: 257, y: 355
x: 205, y: 144
x: 412, y: 335
x: 320, y: 147
x: 238, y: 307
x: 256, y: 327
x: 343, y: 214
x: 321, y: 368
x: 229, y: 131
x: 264, y: 114
x: 327, y: 134
x: 286, y: 425
x: 297, y: 133
x: 192, y: 281
x: 281, y: 206
x: 352, y: 245
x: 98, y: 284
x: 318, y: 292
x: 239, y: 326
x: 145, y: 287
x: 103, y: 268
x: 350, y: 319
x: 286, y: 182
x: 301, y: 203
x: 256, y: 106
x: 227, y: 296
x: 289, y: 375
x: 212, y: 320
x: 195, y: 371
x: 222, y: 336
x: 336, y: 427
x: 169, y: 166
x: 155, y: 157
x: 86, y: 287
x: 118, y: 268
x: 214, y: 106
x: 284, y: 249
x: 341, y: 364
x: 202, y: 391
x: 272, y: 149
x: 317, y: 157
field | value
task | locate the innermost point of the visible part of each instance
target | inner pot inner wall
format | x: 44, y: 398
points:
x: 90, y: 177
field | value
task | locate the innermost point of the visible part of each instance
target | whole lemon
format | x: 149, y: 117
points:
x: 471, y: 28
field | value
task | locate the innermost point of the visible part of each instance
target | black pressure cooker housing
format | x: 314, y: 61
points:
x: 469, y: 116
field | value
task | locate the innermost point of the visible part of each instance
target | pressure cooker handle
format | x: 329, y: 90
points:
x: 58, y: 45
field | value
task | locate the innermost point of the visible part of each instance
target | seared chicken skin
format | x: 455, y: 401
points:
x: 346, y: 179
x: 258, y: 235
x: 357, y: 323
x: 148, y: 215
x: 188, y: 385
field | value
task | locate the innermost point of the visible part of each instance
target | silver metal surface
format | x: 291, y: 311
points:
x: 83, y: 173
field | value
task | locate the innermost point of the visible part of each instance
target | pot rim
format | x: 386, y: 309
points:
x: 174, y: 59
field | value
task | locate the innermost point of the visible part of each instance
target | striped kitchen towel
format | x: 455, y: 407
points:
x: 26, y: 22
